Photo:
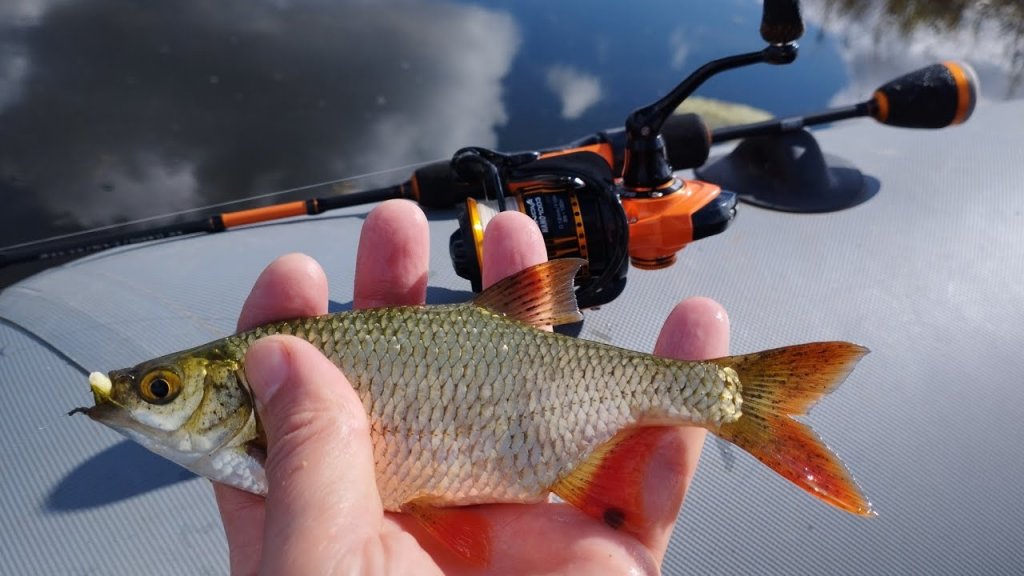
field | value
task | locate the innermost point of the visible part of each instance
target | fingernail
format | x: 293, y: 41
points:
x: 266, y: 368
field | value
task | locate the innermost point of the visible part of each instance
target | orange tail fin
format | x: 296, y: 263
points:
x: 784, y: 382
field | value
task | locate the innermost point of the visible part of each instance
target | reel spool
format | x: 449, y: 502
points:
x: 572, y: 199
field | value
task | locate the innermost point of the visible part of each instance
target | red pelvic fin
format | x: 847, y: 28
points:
x: 462, y: 530
x: 609, y: 485
x: 788, y: 381
x: 540, y: 295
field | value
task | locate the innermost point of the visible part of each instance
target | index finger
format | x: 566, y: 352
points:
x: 393, y: 256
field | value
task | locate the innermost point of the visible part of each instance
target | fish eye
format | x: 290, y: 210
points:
x: 159, y: 386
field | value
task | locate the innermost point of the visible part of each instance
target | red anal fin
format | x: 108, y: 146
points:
x: 463, y: 531
x: 609, y: 485
x: 540, y: 295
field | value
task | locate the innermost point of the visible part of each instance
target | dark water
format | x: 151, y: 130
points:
x: 114, y: 110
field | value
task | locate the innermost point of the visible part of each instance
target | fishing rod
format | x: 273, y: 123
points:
x: 936, y: 96
x: 612, y: 198
x: 90, y: 241
x: 433, y: 185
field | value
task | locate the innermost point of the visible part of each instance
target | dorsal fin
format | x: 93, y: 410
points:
x: 540, y: 295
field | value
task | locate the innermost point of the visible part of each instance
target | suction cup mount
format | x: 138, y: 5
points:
x: 789, y: 172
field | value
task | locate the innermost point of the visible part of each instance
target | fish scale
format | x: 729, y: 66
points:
x: 536, y: 411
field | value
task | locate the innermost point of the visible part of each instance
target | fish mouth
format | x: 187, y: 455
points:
x: 101, y: 387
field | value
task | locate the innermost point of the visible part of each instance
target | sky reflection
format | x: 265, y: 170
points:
x: 879, y: 42
x: 112, y: 110
x: 117, y: 109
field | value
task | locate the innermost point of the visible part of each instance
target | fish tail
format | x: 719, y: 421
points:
x: 785, y: 382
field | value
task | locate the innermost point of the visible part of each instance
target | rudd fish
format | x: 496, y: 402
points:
x: 473, y: 403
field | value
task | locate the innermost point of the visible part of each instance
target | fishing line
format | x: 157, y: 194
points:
x: 46, y: 344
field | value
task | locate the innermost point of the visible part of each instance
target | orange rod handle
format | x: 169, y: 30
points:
x: 264, y: 214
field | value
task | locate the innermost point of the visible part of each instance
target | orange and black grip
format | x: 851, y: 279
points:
x: 936, y: 96
x: 437, y: 186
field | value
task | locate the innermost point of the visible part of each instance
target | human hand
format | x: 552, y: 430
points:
x: 323, y: 513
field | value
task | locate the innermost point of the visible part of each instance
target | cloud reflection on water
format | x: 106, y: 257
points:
x: 117, y: 109
x: 878, y: 44
x: 577, y: 90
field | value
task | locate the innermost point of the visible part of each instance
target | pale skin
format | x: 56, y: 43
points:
x: 323, y: 514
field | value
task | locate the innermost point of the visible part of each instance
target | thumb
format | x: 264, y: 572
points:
x: 322, y: 493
